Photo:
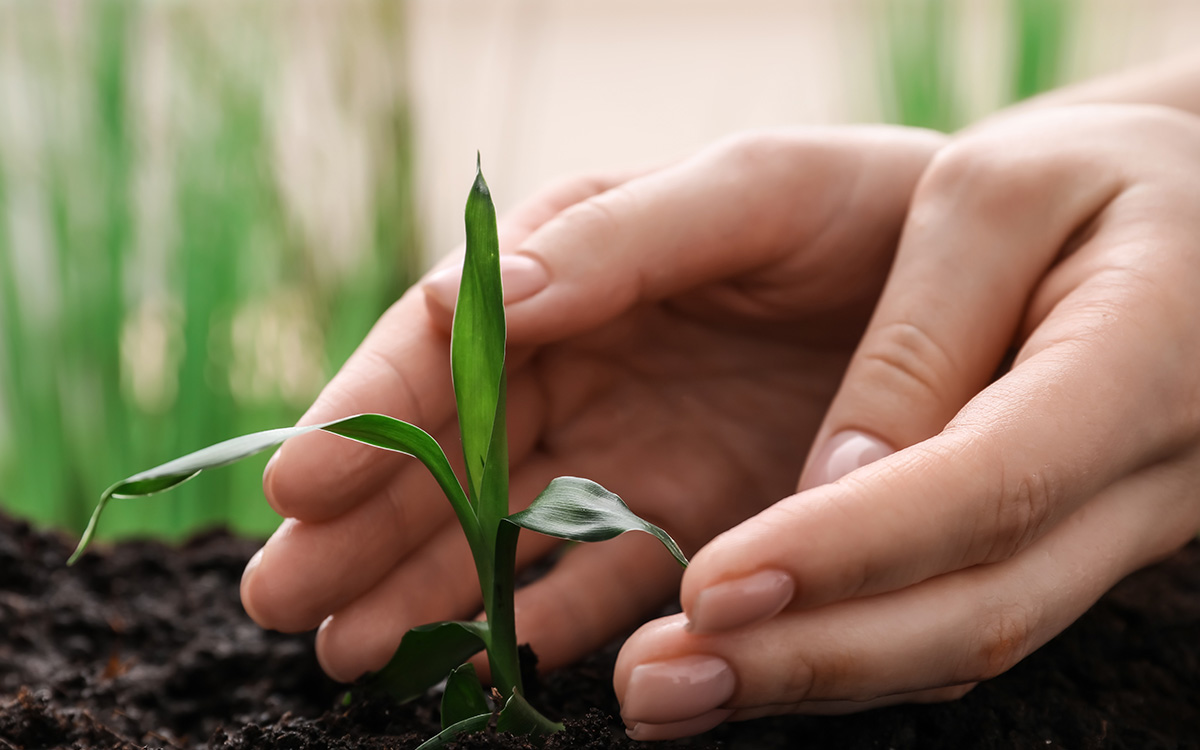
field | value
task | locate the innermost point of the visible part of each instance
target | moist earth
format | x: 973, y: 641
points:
x: 142, y: 645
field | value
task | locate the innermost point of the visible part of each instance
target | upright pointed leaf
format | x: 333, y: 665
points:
x: 464, y: 696
x: 583, y: 511
x: 425, y: 656
x: 374, y: 429
x: 477, y: 339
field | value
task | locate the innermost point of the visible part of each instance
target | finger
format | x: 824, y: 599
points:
x: 979, y: 237
x: 1077, y: 411
x: 401, y: 369
x: 953, y: 630
x: 646, y: 731
x: 742, y: 206
x: 520, y: 277
x: 438, y: 582
x: 1018, y: 459
x: 309, y: 569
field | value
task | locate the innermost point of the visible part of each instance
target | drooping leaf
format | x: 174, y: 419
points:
x: 583, y: 511
x: 425, y: 656
x: 464, y: 696
x: 519, y: 717
x: 374, y: 429
x: 477, y: 338
x: 473, y: 724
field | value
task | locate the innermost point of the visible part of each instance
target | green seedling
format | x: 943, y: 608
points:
x: 569, y: 508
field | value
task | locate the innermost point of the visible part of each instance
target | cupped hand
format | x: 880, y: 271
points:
x: 1018, y: 430
x: 676, y: 336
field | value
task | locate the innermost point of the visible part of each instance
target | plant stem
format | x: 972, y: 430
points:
x: 501, y: 613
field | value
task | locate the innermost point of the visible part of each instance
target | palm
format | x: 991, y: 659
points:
x: 697, y: 424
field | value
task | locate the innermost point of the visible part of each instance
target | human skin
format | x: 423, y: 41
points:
x: 1010, y: 504
x: 671, y: 355
x: 663, y: 349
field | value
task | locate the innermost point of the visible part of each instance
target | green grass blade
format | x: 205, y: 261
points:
x: 464, y: 697
x: 426, y: 655
x: 373, y: 429
x: 583, y: 511
x: 473, y: 724
x: 477, y: 340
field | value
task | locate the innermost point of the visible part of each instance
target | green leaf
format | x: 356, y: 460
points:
x: 519, y: 717
x: 373, y: 429
x: 583, y: 511
x: 473, y: 724
x: 477, y: 338
x: 426, y: 655
x: 464, y: 696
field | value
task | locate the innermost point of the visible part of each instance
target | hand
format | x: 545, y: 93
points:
x: 676, y: 336
x: 1011, y: 503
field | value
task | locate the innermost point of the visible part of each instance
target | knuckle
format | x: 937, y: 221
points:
x: 908, y: 358
x: 996, y: 180
x: 1022, y: 507
x: 799, y: 681
x: 1005, y: 639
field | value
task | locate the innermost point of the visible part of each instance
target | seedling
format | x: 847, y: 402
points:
x: 569, y: 508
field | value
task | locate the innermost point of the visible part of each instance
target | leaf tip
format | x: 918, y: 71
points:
x: 481, y: 186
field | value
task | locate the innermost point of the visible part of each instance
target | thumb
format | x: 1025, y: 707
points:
x: 974, y: 247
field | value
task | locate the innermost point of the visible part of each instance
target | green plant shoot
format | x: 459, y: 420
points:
x: 569, y: 508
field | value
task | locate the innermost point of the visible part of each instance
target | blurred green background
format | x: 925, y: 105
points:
x: 203, y: 208
x: 204, y: 204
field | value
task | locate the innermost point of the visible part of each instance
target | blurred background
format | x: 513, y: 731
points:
x: 204, y: 204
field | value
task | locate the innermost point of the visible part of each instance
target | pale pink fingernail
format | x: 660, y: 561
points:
x: 244, y: 587
x: 442, y: 287
x: 644, y: 731
x: 732, y: 604
x: 522, y: 277
x: 842, y: 454
x: 665, y: 692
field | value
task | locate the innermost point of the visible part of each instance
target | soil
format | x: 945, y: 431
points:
x: 142, y: 645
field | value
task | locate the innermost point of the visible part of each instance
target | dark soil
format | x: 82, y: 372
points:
x: 141, y: 645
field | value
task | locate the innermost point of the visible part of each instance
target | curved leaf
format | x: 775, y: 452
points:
x: 463, y: 697
x: 473, y: 724
x: 477, y: 337
x: 583, y: 511
x: 425, y: 656
x: 373, y: 429
x: 519, y: 717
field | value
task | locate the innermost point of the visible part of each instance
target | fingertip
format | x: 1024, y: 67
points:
x: 441, y: 290
x: 345, y: 654
x: 739, y: 602
x: 647, y: 732
x: 244, y: 588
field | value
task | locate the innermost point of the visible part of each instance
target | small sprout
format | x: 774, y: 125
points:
x: 569, y: 508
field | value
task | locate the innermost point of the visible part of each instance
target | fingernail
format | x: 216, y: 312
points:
x: 247, y: 575
x: 842, y: 454
x: 521, y: 277
x: 442, y: 286
x: 644, y: 731
x: 681, y: 689
x: 742, y: 601
x: 270, y: 465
